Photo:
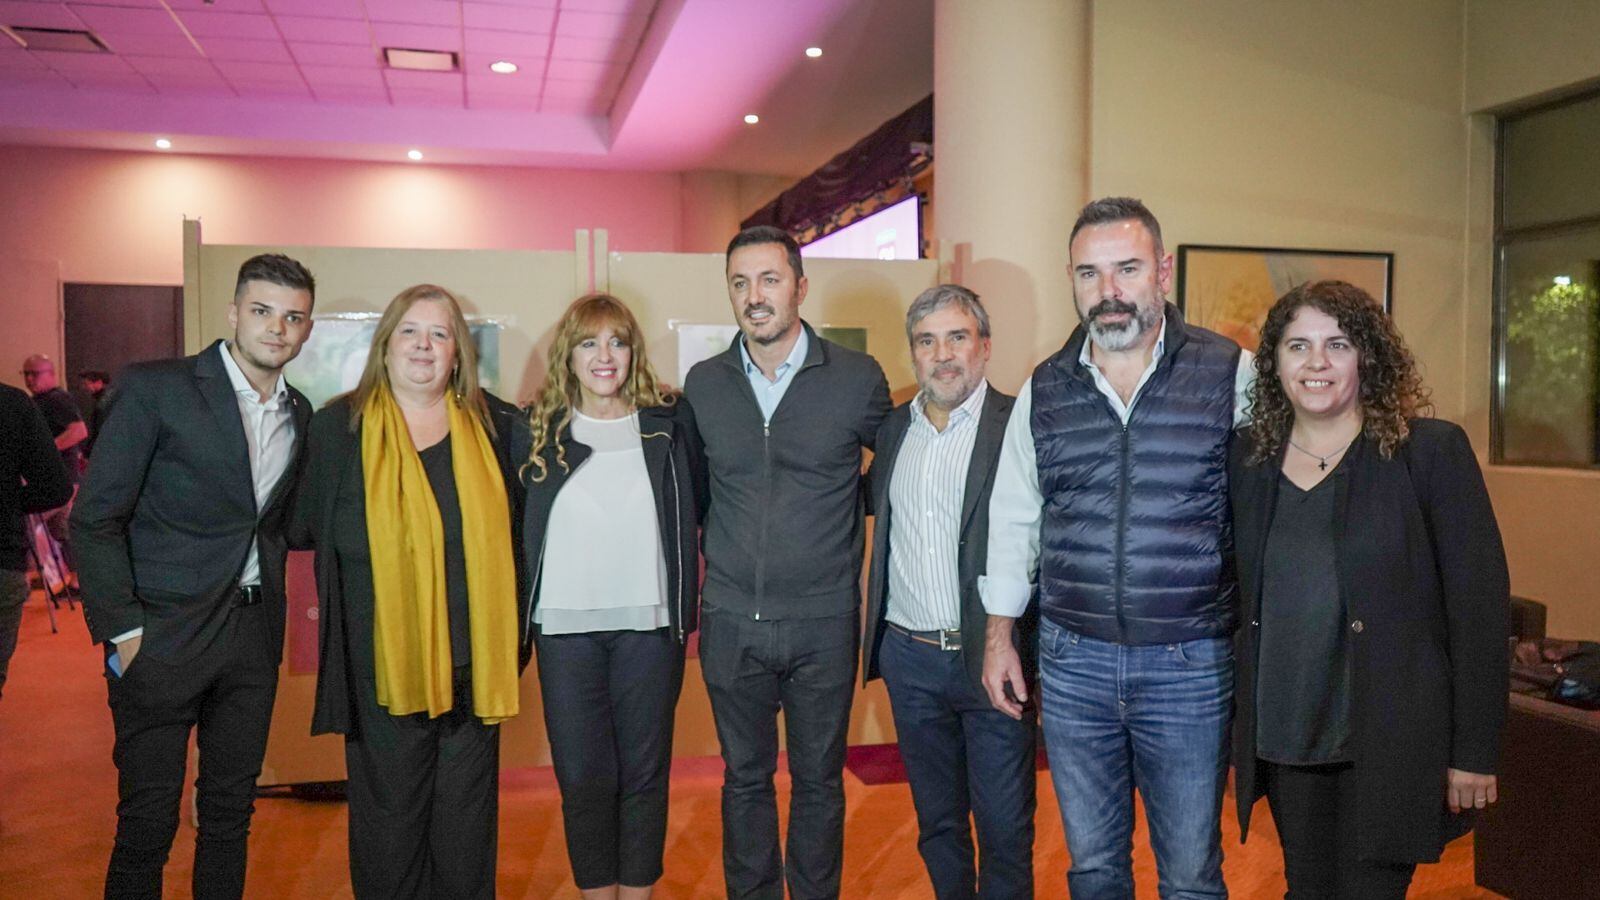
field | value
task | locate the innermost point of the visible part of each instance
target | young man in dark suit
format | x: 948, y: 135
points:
x: 181, y: 556
x: 924, y: 634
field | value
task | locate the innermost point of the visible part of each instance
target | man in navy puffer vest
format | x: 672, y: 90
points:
x: 1111, y: 494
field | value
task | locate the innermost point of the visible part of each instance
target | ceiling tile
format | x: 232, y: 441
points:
x: 415, y: 12
x: 324, y: 31
x: 587, y: 49
x: 628, y: 7
x: 567, y: 105
x: 569, y: 89
x: 146, y: 4
x: 189, y: 84
x: 235, y: 25
x: 230, y: 6
x: 40, y: 77
x: 599, y: 25
x: 482, y: 41
x: 416, y: 37
x: 258, y: 72
x: 125, y: 20
x: 241, y: 49
x: 508, y: 18
x: 482, y: 100
x: 339, y: 93
x: 403, y: 97
x: 330, y: 9
x: 37, y: 15
x: 490, y: 83
x: 336, y: 55
x: 423, y: 81
x: 528, y: 65
x: 131, y: 82
x: 162, y: 65
x: 272, y: 90
x: 174, y: 44
x: 80, y: 63
x: 579, y: 70
x: 19, y: 62
x: 342, y: 76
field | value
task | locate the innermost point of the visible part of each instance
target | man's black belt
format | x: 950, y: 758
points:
x: 247, y: 595
x: 946, y: 639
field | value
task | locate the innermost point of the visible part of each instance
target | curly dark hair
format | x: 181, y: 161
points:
x: 1391, y: 391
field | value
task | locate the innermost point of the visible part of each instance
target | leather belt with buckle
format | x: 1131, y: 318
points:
x: 247, y: 595
x: 946, y: 639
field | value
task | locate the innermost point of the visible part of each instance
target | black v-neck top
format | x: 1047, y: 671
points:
x: 437, y: 461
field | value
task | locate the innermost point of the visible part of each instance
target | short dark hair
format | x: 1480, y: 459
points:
x: 275, y: 268
x: 768, y: 234
x: 1117, y: 209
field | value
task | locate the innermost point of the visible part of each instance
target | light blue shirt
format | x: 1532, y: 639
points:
x: 770, y: 393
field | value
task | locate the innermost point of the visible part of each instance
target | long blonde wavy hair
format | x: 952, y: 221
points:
x: 551, y: 412
x: 463, y: 381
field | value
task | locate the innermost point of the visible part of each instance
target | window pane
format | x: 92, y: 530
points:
x: 1551, y: 324
x: 1550, y: 168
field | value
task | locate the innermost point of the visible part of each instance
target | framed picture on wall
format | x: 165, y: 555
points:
x: 1230, y: 289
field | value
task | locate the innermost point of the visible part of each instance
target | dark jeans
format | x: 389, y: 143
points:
x: 1314, y: 809
x: 226, y: 692
x: 1149, y: 716
x: 13, y: 593
x: 609, y: 700
x: 807, y: 668
x: 964, y: 757
x: 424, y: 799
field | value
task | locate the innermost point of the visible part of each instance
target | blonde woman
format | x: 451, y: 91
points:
x: 410, y: 498
x: 615, y: 479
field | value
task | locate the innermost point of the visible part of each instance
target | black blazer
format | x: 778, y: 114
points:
x: 334, y: 454
x: 676, y: 461
x: 973, y: 555
x: 163, y: 524
x: 1423, y: 575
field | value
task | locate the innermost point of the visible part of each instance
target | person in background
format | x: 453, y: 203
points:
x: 613, y: 454
x: 180, y: 540
x: 32, y: 480
x: 96, y: 384
x: 1372, y: 671
x: 930, y: 483
x: 785, y: 415
x: 71, y: 438
x: 410, y: 499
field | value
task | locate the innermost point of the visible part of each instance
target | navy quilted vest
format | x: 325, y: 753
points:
x: 1136, y: 544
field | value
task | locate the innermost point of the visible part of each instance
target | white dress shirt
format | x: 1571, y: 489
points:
x: 926, y: 493
x: 269, y: 436
x: 1016, y: 508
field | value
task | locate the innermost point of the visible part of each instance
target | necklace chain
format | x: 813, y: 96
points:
x: 1322, y: 461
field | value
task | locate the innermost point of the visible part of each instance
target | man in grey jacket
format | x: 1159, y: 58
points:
x: 784, y: 415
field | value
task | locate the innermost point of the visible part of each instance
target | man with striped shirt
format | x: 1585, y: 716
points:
x: 930, y: 487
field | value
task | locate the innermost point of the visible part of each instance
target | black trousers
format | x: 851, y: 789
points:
x: 225, y: 693
x: 969, y: 764
x: 1314, y: 809
x: 609, y: 700
x: 424, y: 799
x: 806, y: 668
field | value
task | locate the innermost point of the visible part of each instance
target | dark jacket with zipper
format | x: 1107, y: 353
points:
x: 783, y: 533
x: 1135, y: 545
x: 1422, y: 572
x: 971, y: 555
x: 676, y: 464
x: 333, y: 469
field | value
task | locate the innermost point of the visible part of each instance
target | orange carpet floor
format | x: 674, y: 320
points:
x: 58, y: 800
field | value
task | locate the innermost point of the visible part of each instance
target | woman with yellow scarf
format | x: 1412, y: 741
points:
x: 411, y: 497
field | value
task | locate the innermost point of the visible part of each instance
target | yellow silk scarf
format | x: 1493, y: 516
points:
x: 411, y: 631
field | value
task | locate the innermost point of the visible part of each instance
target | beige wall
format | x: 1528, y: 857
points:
x: 1521, y: 50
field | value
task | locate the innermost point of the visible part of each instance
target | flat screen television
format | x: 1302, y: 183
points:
x: 894, y: 232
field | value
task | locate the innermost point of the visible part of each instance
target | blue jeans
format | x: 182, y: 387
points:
x: 1153, y: 717
x: 963, y: 758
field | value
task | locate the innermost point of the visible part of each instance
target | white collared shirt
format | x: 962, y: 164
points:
x: 770, y: 393
x: 926, y: 493
x: 1016, y: 508
x: 269, y: 435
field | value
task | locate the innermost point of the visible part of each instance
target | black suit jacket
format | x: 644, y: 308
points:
x: 163, y: 524
x: 1422, y: 573
x: 344, y: 606
x: 973, y: 554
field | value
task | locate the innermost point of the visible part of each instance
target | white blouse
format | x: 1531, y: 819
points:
x: 603, y: 568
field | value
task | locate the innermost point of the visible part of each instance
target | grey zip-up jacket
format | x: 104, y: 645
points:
x: 784, y: 529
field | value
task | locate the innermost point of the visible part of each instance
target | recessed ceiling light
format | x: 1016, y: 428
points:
x: 813, y: 52
x: 751, y: 119
x: 163, y: 144
x: 414, y: 155
x: 503, y: 67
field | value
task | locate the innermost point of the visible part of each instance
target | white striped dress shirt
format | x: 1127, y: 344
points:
x: 925, y: 496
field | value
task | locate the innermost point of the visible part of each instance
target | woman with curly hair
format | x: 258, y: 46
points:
x: 615, y: 487
x: 1371, y: 663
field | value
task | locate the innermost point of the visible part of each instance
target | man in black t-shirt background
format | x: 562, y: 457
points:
x: 66, y: 426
